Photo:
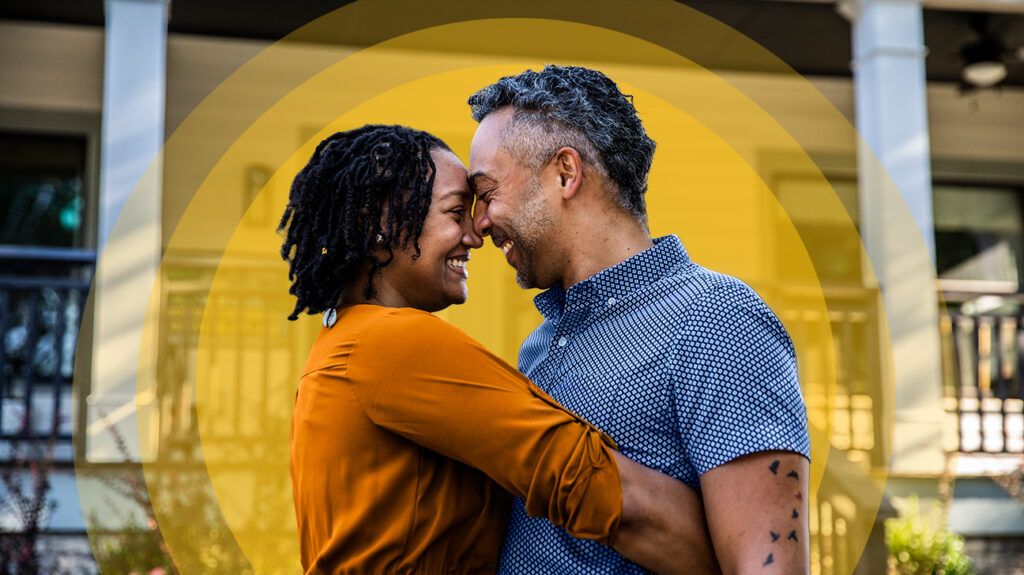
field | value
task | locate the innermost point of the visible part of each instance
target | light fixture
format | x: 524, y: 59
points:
x: 984, y: 74
x: 983, y: 58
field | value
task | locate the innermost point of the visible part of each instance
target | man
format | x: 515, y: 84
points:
x: 686, y: 369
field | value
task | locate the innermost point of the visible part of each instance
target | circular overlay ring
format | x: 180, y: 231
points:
x: 733, y: 177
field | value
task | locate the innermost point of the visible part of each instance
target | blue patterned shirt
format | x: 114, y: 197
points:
x: 685, y: 368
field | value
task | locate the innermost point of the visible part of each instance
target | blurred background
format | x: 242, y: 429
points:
x: 89, y: 91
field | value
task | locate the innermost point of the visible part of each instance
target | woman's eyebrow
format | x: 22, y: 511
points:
x: 462, y: 192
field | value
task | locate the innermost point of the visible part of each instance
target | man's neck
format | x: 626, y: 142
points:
x: 604, y: 244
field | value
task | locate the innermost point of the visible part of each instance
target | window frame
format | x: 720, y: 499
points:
x: 78, y: 124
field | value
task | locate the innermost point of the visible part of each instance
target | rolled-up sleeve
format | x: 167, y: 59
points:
x: 426, y: 380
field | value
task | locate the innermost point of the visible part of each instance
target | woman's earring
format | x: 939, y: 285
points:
x: 330, y: 317
x: 379, y: 239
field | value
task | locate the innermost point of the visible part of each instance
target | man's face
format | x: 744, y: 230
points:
x: 511, y: 205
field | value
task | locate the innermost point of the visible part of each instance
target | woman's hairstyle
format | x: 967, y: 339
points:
x: 363, y: 194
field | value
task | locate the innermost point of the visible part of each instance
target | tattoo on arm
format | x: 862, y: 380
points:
x: 774, y: 468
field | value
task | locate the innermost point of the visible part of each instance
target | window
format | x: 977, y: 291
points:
x: 979, y: 237
x: 44, y: 278
x: 42, y: 189
x: 833, y: 250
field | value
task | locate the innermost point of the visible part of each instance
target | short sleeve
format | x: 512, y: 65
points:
x: 736, y: 386
x: 424, y: 379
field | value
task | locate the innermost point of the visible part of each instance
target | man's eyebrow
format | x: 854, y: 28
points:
x: 473, y: 179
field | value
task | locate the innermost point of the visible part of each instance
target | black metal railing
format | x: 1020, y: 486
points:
x: 984, y: 376
x: 42, y: 298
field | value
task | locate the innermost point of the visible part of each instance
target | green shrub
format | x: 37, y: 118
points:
x: 917, y: 547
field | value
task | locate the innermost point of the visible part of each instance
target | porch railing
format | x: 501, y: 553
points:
x: 42, y: 299
x: 247, y: 325
x: 983, y: 354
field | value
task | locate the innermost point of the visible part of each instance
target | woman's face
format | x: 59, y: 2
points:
x: 437, y: 279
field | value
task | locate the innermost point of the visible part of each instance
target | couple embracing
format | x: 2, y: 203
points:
x: 655, y: 421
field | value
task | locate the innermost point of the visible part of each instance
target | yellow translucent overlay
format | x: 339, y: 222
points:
x: 737, y: 176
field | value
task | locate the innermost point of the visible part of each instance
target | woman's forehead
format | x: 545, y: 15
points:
x: 450, y: 177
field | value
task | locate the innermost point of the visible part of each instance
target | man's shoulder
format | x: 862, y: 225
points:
x: 695, y: 288
x: 707, y: 304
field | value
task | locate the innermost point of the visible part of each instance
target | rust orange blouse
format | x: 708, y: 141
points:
x: 407, y: 438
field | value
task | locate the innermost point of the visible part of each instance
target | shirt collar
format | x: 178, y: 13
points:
x: 614, y: 284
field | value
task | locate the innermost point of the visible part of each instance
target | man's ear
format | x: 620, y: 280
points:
x: 569, y: 170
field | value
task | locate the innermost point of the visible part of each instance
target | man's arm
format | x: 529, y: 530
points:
x: 743, y: 423
x: 663, y: 528
x: 757, y: 513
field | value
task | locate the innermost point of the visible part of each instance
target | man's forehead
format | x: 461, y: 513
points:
x: 488, y: 159
x: 491, y: 129
x: 484, y: 154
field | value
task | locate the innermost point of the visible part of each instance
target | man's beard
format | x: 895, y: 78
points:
x: 532, y: 224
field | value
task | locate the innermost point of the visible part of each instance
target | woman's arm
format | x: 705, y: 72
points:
x: 663, y: 527
x: 441, y: 389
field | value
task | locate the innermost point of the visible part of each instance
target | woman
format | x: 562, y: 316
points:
x: 408, y: 436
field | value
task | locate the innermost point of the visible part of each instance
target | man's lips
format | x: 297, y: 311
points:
x: 502, y: 242
x: 505, y: 245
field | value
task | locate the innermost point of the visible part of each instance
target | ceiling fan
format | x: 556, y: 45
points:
x: 986, y: 58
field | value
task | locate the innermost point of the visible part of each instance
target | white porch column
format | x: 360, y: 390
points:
x: 130, y: 189
x: 891, y: 111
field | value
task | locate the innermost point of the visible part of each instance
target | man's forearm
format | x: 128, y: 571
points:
x: 663, y: 527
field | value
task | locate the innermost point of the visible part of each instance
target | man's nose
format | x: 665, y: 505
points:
x: 470, y: 238
x: 481, y: 223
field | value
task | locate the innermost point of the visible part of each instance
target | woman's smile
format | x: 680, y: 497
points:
x: 458, y: 265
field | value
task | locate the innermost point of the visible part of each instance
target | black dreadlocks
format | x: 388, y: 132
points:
x: 362, y: 185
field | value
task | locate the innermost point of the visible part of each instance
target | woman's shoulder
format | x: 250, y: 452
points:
x: 395, y: 332
x: 408, y: 323
x: 408, y: 340
x: 391, y: 325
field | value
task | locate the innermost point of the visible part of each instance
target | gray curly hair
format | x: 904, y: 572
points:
x: 579, y: 108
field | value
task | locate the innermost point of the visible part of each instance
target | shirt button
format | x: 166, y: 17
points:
x: 612, y: 301
x: 562, y: 341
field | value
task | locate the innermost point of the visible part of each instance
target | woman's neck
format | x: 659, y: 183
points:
x: 385, y: 294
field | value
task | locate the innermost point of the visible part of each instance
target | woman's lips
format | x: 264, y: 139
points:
x: 458, y: 265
